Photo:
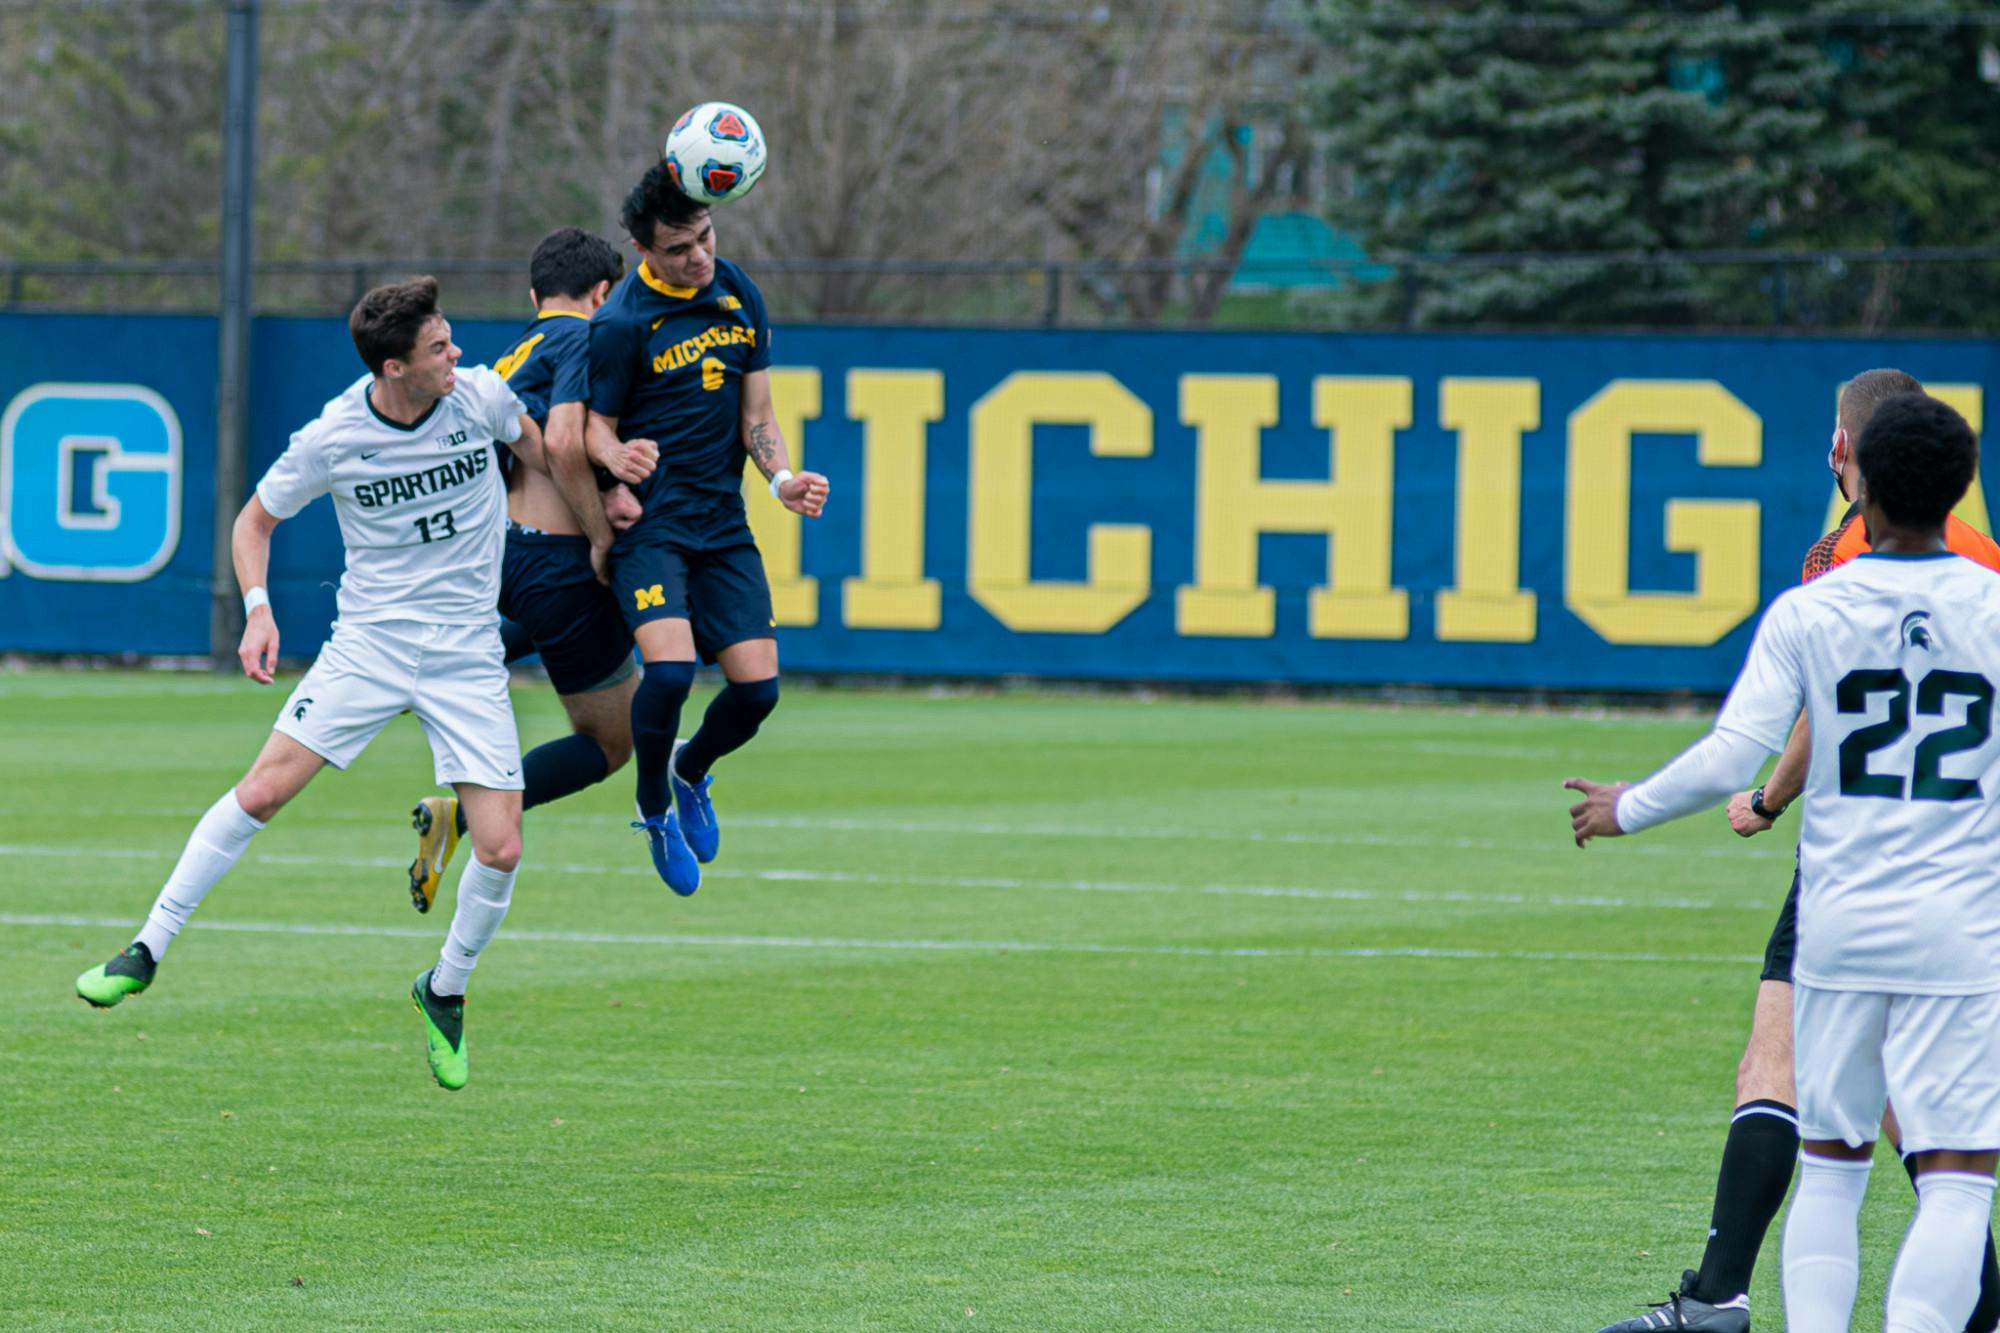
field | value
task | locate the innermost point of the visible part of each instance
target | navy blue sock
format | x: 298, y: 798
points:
x: 515, y: 642
x: 656, y: 721
x: 732, y: 718
x: 556, y: 769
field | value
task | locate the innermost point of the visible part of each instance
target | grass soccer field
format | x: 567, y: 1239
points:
x: 1017, y: 1011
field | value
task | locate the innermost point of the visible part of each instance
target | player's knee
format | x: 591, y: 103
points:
x: 617, y: 747
x: 260, y: 797
x: 1765, y: 1072
x: 501, y: 851
x: 670, y: 681
x: 758, y: 697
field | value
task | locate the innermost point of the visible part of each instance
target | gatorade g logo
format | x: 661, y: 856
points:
x: 653, y: 596
x: 90, y: 482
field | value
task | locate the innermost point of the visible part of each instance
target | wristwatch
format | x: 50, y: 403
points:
x: 1758, y: 808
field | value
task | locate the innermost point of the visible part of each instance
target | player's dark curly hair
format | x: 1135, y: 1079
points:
x: 570, y: 261
x: 388, y: 320
x: 655, y: 200
x: 1916, y: 456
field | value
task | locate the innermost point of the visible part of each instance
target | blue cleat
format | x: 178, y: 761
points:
x: 671, y: 856
x: 704, y: 835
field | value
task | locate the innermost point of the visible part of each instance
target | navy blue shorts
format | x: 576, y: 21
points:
x: 1783, y: 947
x: 716, y: 585
x: 547, y: 588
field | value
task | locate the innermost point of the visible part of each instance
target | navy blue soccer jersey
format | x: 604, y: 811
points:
x: 669, y: 363
x: 548, y: 363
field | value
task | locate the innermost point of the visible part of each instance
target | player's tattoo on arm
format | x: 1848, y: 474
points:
x: 764, y: 448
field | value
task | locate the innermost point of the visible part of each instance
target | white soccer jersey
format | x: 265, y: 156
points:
x: 422, y: 508
x: 1896, y: 659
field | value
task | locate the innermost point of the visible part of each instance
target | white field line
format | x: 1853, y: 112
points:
x: 778, y: 875
x: 901, y: 946
x: 1557, y: 841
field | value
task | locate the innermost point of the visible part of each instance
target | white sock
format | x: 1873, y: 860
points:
x: 483, y: 894
x: 214, y: 846
x: 1823, y: 1245
x: 1936, y: 1282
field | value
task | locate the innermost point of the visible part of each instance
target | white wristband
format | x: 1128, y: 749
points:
x: 255, y: 598
x: 784, y: 475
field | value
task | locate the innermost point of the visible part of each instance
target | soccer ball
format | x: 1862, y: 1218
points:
x: 715, y: 152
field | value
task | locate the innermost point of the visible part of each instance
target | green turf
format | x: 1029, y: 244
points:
x: 1005, y: 1011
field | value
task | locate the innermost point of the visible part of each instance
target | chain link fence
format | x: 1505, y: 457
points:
x: 1953, y: 290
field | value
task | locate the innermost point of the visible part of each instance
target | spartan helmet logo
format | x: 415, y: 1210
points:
x: 1916, y: 630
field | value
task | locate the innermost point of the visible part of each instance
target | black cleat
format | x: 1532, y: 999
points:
x: 1684, y: 1311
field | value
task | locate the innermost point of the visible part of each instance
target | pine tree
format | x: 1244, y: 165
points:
x: 1600, y: 128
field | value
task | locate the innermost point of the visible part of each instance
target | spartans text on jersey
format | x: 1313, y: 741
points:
x: 429, y: 481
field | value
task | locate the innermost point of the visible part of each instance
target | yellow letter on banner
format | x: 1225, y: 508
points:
x: 1486, y: 604
x: 1003, y: 453
x: 1235, y: 505
x: 1970, y: 402
x: 794, y: 596
x: 895, y: 407
x: 1720, y: 534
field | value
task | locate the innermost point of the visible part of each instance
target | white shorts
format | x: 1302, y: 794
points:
x: 1936, y: 1058
x: 451, y: 676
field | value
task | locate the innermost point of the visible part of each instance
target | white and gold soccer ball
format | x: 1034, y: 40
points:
x: 716, y: 152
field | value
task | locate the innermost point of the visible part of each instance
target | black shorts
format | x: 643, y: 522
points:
x: 546, y: 587
x: 1784, y: 944
x: 716, y: 585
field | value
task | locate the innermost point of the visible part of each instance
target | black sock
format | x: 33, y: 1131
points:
x: 1757, y: 1164
x: 1986, y: 1313
x: 656, y: 721
x: 732, y: 718
x: 555, y: 769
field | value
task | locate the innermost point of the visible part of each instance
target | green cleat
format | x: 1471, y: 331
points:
x: 444, y: 1032
x: 127, y: 974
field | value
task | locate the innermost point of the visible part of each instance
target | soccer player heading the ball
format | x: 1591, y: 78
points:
x: 407, y: 452
x: 681, y: 354
x: 1897, y: 976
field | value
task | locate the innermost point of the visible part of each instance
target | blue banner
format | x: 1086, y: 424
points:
x: 1561, y: 511
x: 107, y: 491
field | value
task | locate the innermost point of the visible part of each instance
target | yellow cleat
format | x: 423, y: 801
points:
x: 436, y: 821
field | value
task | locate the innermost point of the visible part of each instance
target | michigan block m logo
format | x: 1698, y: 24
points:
x: 653, y: 596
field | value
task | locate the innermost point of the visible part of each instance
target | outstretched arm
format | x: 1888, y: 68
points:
x: 802, y: 492
x: 250, y: 551
x: 1704, y: 775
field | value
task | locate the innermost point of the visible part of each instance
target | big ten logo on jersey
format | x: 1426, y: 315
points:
x: 453, y: 440
x: 90, y: 482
